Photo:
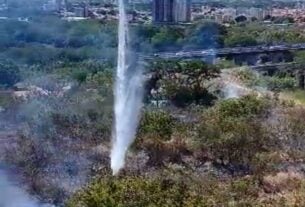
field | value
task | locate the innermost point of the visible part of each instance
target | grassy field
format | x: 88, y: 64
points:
x: 5, y: 99
x: 298, y: 96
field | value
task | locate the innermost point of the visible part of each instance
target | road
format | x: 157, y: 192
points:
x: 227, y: 51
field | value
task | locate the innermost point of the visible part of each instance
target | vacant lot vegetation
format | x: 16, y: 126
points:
x: 201, y: 150
x: 245, y: 151
x: 193, y: 147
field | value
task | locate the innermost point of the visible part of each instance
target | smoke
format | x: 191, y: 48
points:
x: 128, y: 96
x: 12, y: 196
x: 234, y: 90
x: 59, y: 163
x: 231, y: 86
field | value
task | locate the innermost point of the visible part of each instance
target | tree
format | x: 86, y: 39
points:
x: 240, y: 40
x: 184, y: 82
x: 241, y: 18
x: 205, y: 35
x: 167, y: 37
x: 9, y: 74
x: 254, y: 19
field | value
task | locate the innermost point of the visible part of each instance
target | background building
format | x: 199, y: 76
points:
x: 171, y: 11
x: 182, y: 10
x: 163, y: 10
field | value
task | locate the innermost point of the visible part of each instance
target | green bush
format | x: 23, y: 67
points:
x: 247, y: 76
x: 233, y: 130
x: 80, y: 76
x: 9, y: 74
x: 135, y: 192
x: 275, y: 83
x: 163, y: 138
x: 279, y: 84
x: 291, y: 127
x: 157, y: 124
x: 240, y: 40
x: 167, y: 191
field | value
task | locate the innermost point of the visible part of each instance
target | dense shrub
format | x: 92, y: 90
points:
x: 169, y: 190
x: 247, y: 76
x: 233, y: 132
x: 157, y: 136
x: 137, y: 191
x: 277, y: 82
x: 157, y: 123
x: 289, y: 125
x: 280, y: 83
x: 241, y: 40
x: 9, y: 74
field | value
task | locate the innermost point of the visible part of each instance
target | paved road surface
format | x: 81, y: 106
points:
x: 226, y: 51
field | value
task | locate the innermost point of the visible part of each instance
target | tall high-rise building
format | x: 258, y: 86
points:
x: 171, y: 11
x: 163, y: 10
x: 182, y: 10
x: 61, y: 5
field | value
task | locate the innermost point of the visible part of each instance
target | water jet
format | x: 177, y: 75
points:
x: 127, y: 97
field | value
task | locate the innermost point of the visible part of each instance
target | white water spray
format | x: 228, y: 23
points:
x: 128, y: 97
x: 12, y: 196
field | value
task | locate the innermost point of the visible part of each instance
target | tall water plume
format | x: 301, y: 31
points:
x: 128, y: 97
